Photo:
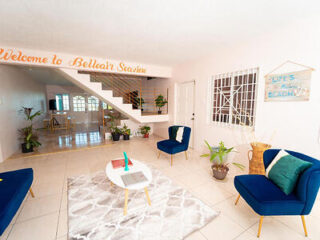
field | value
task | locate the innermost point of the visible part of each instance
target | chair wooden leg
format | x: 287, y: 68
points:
x: 171, y: 159
x: 260, y: 225
x: 31, y: 192
x: 237, y: 200
x: 158, y: 154
x: 186, y: 155
x: 304, y: 226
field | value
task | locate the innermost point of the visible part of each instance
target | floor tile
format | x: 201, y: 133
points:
x: 222, y: 228
x: 42, y: 228
x: 39, y: 206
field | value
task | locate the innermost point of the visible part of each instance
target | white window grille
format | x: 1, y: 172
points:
x: 79, y: 104
x: 93, y: 104
x: 234, y: 97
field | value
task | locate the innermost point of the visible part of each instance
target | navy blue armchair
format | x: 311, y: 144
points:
x: 266, y: 199
x: 171, y: 146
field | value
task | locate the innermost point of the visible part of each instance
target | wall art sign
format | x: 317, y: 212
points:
x: 51, y: 59
x: 289, y: 86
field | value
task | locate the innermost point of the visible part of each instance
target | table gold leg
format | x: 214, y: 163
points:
x: 186, y: 155
x: 237, y: 200
x: 147, y: 194
x: 158, y: 154
x: 126, y: 193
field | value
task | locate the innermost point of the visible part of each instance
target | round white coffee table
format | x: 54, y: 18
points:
x: 114, y: 176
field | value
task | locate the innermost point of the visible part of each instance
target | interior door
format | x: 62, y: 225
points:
x: 185, y: 107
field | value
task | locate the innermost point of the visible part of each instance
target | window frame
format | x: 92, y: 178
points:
x: 73, y: 103
x: 91, y: 106
x: 63, y: 101
x: 231, y: 114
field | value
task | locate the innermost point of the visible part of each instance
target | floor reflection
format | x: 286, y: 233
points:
x: 61, y: 140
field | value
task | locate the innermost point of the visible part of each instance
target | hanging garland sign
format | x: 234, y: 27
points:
x: 289, y: 86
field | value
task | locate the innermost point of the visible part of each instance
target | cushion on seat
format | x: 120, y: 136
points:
x: 265, y: 197
x: 171, y: 146
x: 13, y: 189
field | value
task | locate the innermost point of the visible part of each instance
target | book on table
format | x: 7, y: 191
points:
x: 133, y: 178
x: 120, y: 163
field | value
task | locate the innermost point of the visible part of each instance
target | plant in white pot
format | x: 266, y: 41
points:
x: 218, y: 157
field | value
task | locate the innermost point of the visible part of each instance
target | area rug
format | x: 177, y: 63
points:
x: 95, y: 210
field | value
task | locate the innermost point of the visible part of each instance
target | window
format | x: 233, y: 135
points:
x: 62, y: 101
x: 106, y: 106
x: 93, y: 103
x: 233, y: 97
x: 79, y: 104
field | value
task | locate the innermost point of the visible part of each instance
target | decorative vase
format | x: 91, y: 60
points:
x: 256, y: 165
x: 219, y: 174
x: 25, y: 149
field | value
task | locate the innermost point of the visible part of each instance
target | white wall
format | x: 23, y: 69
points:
x: 17, y: 90
x: 297, y: 124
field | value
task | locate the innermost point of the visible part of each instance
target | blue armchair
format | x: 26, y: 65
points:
x: 14, y: 186
x: 266, y: 199
x: 171, y: 146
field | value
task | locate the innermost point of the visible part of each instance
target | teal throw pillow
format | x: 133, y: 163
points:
x: 286, y: 172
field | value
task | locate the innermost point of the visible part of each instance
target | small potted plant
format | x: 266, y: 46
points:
x: 30, y: 139
x: 139, y: 101
x: 160, y: 102
x: 218, y: 156
x: 115, y: 133
x: 144, y: 130
x: 125, y: 131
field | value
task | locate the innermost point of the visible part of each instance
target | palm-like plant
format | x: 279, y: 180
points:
x: 27, y: 133
x: 218, y: 156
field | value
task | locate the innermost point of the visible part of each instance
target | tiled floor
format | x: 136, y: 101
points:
x: 45, y: 217
x: 80, y: 136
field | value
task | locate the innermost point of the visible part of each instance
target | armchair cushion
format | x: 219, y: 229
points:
x: 265, y: 197
x: 286, y: 171
x: 171, y: 146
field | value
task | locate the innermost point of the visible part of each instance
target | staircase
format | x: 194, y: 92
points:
x: 96, y: 89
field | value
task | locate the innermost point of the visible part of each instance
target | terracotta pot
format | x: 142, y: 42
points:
x: 146, y: 135
x: 256, y: 165
x: 221, y: 173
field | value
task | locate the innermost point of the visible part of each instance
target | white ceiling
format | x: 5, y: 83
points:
x: 147, y: 31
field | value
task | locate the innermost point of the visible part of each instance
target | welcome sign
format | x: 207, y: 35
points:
x: 39, y: 58
x: 292, y: 86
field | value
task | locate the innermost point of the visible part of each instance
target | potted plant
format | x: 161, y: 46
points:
x: 30, y: 139
x: 160, y: 102
x: 218, y: 156
x: 139, y: 101
x: 115, y: 131
x: 144, y: 130
x: 125, y: 131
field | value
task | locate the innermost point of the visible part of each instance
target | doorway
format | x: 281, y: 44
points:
x: 185, y: 106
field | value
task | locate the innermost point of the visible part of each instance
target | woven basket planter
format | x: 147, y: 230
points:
x: 256, y: 165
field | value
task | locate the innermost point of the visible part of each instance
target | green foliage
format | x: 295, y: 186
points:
x: 160, y: 101
x: 137, y: 100
x: 113, y: 127
x: 27, y: 133
x: 125, y: 130
x: 218, y: 155
x: 144, y: 129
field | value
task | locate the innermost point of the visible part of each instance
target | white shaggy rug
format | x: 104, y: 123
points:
x: 95, y: 210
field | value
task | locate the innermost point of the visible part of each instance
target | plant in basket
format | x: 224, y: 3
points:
x: 218, y: 156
